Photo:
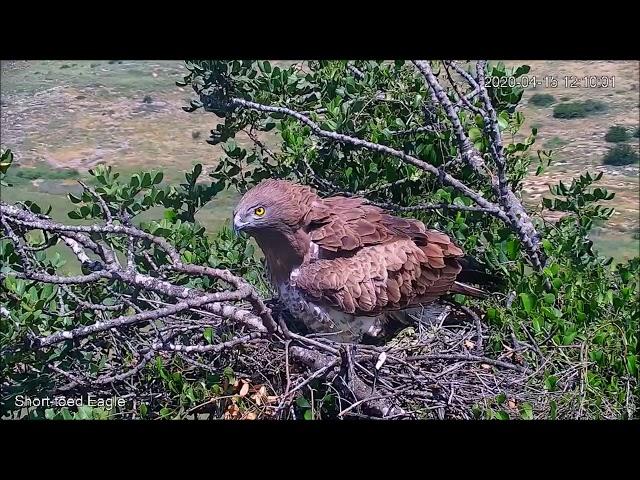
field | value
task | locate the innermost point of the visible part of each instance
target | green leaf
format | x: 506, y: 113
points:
x: 503, y: 123
x: 10, y: 282
x: 135, y: 181
x: 526, y: 410
x: 528, y: 302
x: 501, y: 415
x: 568, y: 337
x: 632, y: 364
x: 302, y: 402
x: 85, y: 412
x: 73, y: 198
x: 158, y: 178
x: 550, y: 382
x: 146, y: 180
x: 549, y: 298
x: 512, y: 248
x: 308, y: 415
x: 208, y: 335
x: 170, y: 215
x: 475, y: 134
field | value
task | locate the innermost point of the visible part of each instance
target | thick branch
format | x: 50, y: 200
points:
x: 515, y: 214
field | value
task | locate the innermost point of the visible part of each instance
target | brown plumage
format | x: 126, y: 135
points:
x: 340, y: 257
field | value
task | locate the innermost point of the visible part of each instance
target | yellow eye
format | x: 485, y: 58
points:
x: 259, y: 211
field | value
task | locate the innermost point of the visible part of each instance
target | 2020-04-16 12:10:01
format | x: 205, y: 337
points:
x: 524, y: 81
x: 551, y: 81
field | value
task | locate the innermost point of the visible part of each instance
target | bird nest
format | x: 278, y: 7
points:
x: 434, y: 369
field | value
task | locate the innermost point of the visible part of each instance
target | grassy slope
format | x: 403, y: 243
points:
x: 579, y: 143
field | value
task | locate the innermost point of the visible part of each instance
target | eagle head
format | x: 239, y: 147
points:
x: 272, y: 205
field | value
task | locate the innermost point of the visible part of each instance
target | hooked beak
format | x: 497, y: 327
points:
x: 238, y: 225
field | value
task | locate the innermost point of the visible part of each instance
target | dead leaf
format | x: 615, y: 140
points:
x: 260, y: 395
x: 469, y: 344
x: 512, y: 404
x: 232, y: 412
x: 250, y: 416
x: 485, y: 366
x: 244, y: 390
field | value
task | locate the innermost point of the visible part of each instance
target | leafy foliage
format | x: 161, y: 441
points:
x: 579, y: 109
x: 339, y: 100
x: 41, y: 309
x: 542, y: 100
x: 6, y: 159
x: 616, y: 134
x: 621, y: 155
x: 579, y: 300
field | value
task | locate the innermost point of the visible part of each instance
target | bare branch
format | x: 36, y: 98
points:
x: 432, y: 206
x: 445, y: 178
x: 466, y: 358
x: 513, y: 212
x: 355, y: 72
x: 82, y: 332
x: 77, y: 249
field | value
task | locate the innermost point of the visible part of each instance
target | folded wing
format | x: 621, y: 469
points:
x: 388, y: 276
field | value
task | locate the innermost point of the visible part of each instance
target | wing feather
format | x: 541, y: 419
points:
x: 369, y: 261
x: 390, y: 276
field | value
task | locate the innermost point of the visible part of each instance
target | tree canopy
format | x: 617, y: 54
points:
x: 179, y: 321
